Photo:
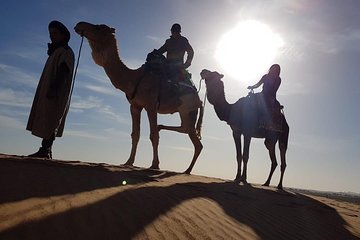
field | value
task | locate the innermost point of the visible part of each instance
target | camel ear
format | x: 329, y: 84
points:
x: 221, y: 76
x: 112, y: 30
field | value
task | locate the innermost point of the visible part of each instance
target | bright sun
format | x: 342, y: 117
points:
x: 247, y: 51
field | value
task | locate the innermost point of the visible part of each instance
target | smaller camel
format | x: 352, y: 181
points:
x: 242, y: 118
x: 144, y: 89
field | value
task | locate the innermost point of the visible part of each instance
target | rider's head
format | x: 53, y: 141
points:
x: 176, y: 28
x: 275, y: 70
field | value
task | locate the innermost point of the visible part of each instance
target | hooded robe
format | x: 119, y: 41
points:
x: 47, y: 116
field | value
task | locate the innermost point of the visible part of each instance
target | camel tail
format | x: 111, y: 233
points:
x: 199, y: 122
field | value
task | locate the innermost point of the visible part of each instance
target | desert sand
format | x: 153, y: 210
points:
x: 55, y: 199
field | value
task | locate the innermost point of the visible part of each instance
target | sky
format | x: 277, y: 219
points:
x: 319, y: 56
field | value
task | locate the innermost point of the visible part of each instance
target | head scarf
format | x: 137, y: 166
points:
x: 61, y: 27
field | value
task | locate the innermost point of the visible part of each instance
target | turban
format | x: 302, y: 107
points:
x: 61, y: 27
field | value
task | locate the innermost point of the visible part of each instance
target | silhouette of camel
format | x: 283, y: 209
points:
x: 241, y: 117
x: 129, y: 210
x: 143, y: 91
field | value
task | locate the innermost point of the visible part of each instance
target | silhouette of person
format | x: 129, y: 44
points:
x: 50, y: 104
x: 175, y: 48
x: 271, y: 83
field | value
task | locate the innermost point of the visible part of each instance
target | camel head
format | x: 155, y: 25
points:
x: 101, y: 39
x: 215, y: 86
x: 210, y: 76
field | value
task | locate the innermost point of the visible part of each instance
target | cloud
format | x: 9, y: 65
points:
x: 14, y: 74
x: 96, y: 104
x: 97, y: 75
x: 155, y: 39
x: 108, y: 111
x: 183, y: 149
x: 11, y: 122
x: 13, y: 98
x: 103, y: 90
x: 84, y: 104
x: 83, y: 134
x: 116, y: 133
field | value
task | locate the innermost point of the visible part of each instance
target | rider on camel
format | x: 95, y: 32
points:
x: 270, y: 107
x: 175, y: 48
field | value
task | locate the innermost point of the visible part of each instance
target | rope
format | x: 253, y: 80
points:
x: 76, y: 67
x: 72, y: 85
x: 205, y: 93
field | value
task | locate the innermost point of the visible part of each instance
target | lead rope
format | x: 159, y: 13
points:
x: 77, y: 65
x: 202, y: 109
x: 205, y: 93
x: 72, y: 86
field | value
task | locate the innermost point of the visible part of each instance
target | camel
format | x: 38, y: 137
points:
x: 143, y: 91
x: 241, y: 116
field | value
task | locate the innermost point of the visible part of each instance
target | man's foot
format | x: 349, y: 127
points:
x: 42, y: 153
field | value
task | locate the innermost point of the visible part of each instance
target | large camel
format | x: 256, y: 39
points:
x: 241, y: 116
x: 143, y: 91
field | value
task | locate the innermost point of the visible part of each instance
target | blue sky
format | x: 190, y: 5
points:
x: 320, y: 88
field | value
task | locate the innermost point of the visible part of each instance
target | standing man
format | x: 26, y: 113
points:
x: 50, y: 105
x: 175, y: 48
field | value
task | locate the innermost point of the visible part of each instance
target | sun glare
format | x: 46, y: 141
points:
x: 247, y: 51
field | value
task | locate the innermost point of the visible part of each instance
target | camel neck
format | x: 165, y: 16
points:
x: 120, y: 75
x: 216, y: 96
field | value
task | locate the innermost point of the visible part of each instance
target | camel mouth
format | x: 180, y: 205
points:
x: 78, y: 29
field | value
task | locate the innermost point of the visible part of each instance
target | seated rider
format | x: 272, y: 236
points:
x: 270, y: 107
x: 175, y: 48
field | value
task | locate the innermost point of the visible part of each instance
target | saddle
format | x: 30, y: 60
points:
x: 170, y: 74
x: 174, y: 81
x: 269, y: 111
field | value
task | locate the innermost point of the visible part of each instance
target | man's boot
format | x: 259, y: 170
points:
x: 42, y: 153
x: 45, y: 150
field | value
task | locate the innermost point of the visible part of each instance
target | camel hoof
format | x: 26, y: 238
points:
x: 156, y: 167
x: 280, y: 187
x: 240, y: 179
x: 265, y: 184
x: 128, y: 164
x: 187, y: 172
x: 237, y: 180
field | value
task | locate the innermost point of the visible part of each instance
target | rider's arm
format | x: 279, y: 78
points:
x: 190, y: 56
x: 162, y: 49
x: 257, y: 84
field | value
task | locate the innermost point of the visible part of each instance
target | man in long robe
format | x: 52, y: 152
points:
x: 51, y: 101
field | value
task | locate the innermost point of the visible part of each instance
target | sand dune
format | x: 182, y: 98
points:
x: 53, y: 199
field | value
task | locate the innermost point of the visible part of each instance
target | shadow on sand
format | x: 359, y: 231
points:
x: 271, y: 214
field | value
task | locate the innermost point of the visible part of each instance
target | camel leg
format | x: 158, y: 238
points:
x: 188, y: 120
x: 154, y: 137
x: 246, y: 150
x: 283, y: 142
x: 283, y: 165
x: 197, y: 150
x: 135, y: 134
x: 237, y: 141
x: 270, y: 145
